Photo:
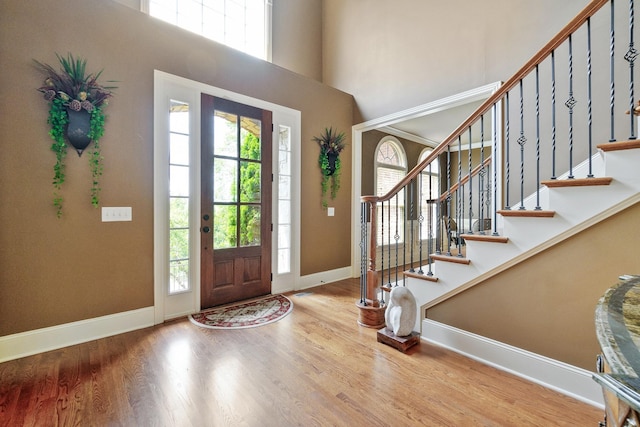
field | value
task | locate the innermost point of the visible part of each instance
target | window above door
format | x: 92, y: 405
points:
x: 244, y: 25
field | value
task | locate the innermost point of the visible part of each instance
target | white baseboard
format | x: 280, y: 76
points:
x: 559, y: 376
x: 323, y: 277
x: 40, y: 340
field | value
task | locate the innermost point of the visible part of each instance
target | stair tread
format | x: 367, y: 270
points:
x: 619, y: 145
x: 423, y: 276
x: 577, y: 182
x: 485, y: 238
x: 527, y: 213
x: 451, y: 258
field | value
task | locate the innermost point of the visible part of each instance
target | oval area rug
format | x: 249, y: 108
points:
x: 245, y: 315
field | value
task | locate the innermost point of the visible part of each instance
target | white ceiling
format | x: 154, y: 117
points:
x: 434, y: 126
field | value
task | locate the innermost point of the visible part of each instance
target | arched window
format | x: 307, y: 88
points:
x: 429, y: 191
x: 391, y: 167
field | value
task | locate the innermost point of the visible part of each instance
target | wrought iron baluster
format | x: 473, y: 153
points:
x: 411, y: 204
x: 448, y: 225
x: 570, y: 103
x: 430, y: 202
x: 420, y: 221
x: 470, y: 178
x: 438, y: 220
x: 494, y: 163
x: 389, y: 245
x: 553, y: 114
x: 589, y: 112
x: 521, y: 141
x: 507, y: 167
x: 397, y: 239
x: 612, y: 88
x: 363, y: 252
x: 630, y: 56
x: 537, y: 139
x: 382, y: 240
x: 482, y: 176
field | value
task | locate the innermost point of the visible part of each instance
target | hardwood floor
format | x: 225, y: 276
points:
x: 316, y: 367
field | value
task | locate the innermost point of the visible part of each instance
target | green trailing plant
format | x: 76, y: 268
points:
x: 331, y: 143
x: 72, y: 88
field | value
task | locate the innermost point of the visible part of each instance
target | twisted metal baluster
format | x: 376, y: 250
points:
x: 630, y: 56
x: 389, y: 240
x: 382, y: 240
x: 612, y: 88
x: 537, y: 208
x: 521, y: 141
x: 494, y: 162
x: 482, y: 174
x: 570, y: 103
x: 553, y: 114
x: 448, y: 226
x: 397, y: 239
x: 507, y: 172
x: 411, y: 199
x: 470, y: 181
x: 430, y: 223
x: 589, y: 112
x: 420, y: 222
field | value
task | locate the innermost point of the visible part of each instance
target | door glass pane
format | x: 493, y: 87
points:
x: 224, y: 226
x: 249, y: 225
x: 250, y: 182
x: 178, y: 212
x: 225, y: 180
x: 179, y: 181
x: 179, y: 276
x: 225, y: 134
x: 179, y: 243
x: 179, y: 149
x: 250, y: 139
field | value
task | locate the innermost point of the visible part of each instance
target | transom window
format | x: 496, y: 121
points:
x: 391, y: 167
x: 244, y: 25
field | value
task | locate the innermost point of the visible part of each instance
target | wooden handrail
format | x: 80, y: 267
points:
x: 542, y: 54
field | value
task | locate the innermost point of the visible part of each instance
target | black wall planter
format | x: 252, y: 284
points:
x: 78, y: 129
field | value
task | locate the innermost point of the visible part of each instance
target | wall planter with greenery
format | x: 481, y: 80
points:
x: 331, y: 143
x: 75, y: 114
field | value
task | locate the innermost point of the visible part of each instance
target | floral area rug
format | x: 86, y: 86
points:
x: 246, y: 315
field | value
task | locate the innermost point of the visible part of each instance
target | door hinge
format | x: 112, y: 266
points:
x: 272, y: 277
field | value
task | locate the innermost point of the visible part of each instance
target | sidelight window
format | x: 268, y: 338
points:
x: 179, y: 197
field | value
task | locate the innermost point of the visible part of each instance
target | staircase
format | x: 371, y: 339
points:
x: 568, y: 206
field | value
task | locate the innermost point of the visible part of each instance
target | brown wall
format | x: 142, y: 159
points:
x: 546, y: 304
x: 55, y: 271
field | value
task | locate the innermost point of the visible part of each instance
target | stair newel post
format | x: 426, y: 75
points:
x: 363, y: 251
x: 371, y: 314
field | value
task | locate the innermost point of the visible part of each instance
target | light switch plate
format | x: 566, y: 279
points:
x: 111, y: 214
x: 331, y: 211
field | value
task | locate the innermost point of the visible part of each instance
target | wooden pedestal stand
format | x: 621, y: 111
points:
x: 371, y: 316
x: 386, y: 336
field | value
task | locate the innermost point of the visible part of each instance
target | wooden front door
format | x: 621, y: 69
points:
x: 236, y: 202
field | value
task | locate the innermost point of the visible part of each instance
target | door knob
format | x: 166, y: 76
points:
x: 205, y: 229
x: 205, y: 217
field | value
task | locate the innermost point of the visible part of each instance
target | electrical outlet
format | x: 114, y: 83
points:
x: 112, y: 214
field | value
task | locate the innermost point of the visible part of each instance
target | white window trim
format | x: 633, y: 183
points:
x: 167, y: 86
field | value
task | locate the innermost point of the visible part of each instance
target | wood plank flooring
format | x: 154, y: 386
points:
x: 316, y: 367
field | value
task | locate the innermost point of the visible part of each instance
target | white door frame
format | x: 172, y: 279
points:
x: 165, y: 85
